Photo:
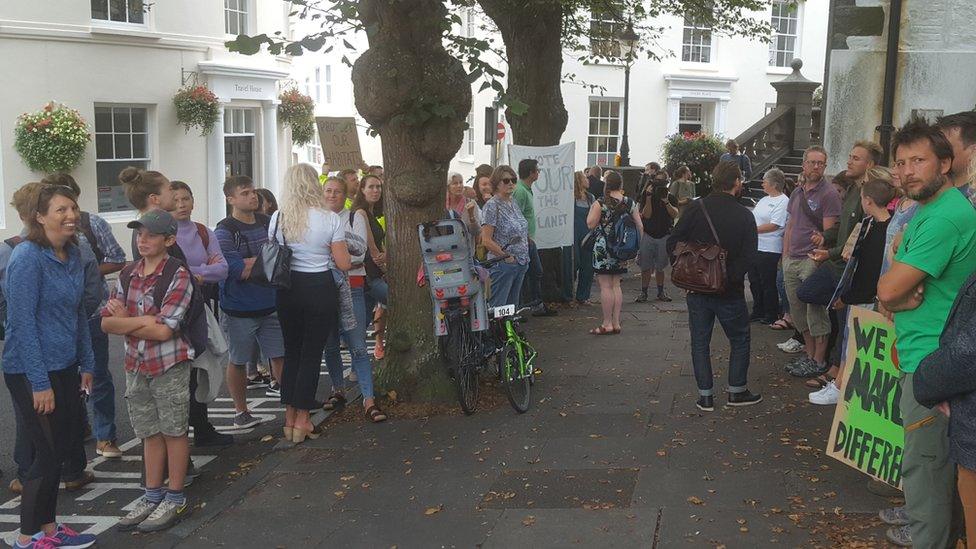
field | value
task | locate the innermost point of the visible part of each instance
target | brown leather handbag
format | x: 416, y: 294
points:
x: 700, y: 267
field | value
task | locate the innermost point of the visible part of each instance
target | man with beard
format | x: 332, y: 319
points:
x: 960, y: 130
x: 935, y: 257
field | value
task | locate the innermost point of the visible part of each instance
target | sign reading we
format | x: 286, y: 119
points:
x: 867, y: 432
x: 340, y: 142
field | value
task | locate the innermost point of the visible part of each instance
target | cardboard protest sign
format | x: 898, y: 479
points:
x: 867, y: 433
x: 553, y: 192
x: 340, y: 142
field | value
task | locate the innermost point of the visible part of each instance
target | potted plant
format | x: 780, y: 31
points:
x: 298, y: 111
x: 197, y: 107
x: 52, y: 139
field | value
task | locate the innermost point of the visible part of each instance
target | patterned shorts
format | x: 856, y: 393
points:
x: 159, y: 405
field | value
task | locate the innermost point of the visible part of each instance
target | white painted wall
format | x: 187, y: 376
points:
x: 61, y: 54
x: 936, y: 63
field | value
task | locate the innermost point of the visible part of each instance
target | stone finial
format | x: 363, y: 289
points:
x: 796, y: 64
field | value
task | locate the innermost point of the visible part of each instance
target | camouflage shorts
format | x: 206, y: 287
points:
x: 159, y: 405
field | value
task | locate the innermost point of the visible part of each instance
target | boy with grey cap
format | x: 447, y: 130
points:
x: 157, y: 367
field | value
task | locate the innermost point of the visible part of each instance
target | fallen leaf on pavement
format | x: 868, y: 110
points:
x: 434, y: 510
x: 267, y: 438
x: 695, y: 500
x: 528, y: 521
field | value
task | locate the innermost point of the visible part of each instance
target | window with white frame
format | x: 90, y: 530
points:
x: 121, y: 140
x: 328, y: 83
x: 469, y: 136
x: 696, y: 41
x: 469, y: 22
x: 690, y: 117
x: 235, y: 16
x: 238, y: 121
x: 606, y: 24
x: 785, y: 22
x: 318, y: 84
x: 119, y: 11
x: 603, y: 140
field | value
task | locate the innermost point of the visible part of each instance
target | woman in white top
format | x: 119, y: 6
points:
x: 770, y: 214
x: 309, y: 309
x: 356, y: 228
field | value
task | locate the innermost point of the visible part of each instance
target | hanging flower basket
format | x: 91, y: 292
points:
x: 298, y: 111
x: 197, y: 107
x: 52, y: 139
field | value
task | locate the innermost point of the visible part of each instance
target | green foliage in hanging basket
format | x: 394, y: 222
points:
x: 52, y: 139
x: 197, y: 107
x: 298, y: 111
x: 699, y: 151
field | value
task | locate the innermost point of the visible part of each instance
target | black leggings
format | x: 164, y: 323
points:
x: 309, y: 314
x: 52, y: 436
x: 762, y: 283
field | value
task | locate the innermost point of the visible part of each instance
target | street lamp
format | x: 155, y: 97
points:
x: 628, y: 43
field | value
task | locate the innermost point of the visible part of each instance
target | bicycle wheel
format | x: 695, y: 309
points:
x: 515, y: 377
x: 460, y: 349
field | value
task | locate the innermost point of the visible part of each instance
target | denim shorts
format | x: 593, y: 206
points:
x: 246, y: 335
x: 161, y: 404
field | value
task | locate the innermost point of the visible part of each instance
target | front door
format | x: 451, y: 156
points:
x: 238, y: 157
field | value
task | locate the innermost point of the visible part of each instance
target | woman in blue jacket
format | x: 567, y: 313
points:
x: 47, y: 336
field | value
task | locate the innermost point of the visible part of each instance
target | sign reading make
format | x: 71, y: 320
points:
x: 340, y: 142
x: 553, y: 192
x: 867, y: 431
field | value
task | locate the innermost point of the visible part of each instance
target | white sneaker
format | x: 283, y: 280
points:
x: 791, y: 346
x: 826, y: 396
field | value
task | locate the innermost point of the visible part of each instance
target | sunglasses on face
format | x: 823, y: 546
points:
x: 509, y: 180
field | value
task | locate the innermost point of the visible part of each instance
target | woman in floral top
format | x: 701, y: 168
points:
x: 604, y: 213
x: 505, y: 231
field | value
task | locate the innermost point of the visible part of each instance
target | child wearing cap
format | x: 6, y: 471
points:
x: 157, y: 368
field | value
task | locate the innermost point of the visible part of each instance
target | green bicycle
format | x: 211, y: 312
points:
x: 515, y: 356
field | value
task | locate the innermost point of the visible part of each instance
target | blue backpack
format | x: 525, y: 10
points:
x: 623, y: 241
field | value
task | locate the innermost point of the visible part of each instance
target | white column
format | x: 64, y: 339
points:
x: 721, y: 117
x: 674, y: 107
x: 216, y: 171
x: 269, y: 146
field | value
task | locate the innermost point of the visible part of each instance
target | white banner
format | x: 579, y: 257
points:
x: 553, y: 192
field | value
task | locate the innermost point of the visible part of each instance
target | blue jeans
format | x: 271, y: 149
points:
x: 506, y: 283
x: 533, y: 280
x: 103, y: 389
x: 356, y: 342
x: 379, y: 291
x: 784, y: 303
x: 733, y: 315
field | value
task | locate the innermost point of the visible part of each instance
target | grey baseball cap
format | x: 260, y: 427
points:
x: 156, y: 221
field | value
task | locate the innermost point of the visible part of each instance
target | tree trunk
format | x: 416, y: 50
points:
x: 533, y: 46
x: 401, y: 83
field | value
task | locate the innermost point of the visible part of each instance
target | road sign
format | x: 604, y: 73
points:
x: 501, y: 131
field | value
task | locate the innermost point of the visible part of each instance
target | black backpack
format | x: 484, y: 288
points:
x: 194, y: 322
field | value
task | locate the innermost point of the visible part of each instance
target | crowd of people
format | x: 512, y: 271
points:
x: 900, y: 240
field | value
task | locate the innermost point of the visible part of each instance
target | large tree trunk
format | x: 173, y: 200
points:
x: 404, y: 77
x: 532, y: 33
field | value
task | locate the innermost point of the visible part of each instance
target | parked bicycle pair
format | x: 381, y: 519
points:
x: 470, y: 335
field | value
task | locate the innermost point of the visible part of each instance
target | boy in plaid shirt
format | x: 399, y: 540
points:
x: 157, y: 370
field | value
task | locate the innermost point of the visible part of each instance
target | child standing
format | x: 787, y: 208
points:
x: 157, y: 367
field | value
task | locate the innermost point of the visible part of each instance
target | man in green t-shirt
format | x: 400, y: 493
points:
x: 528, y: 173
x: 935, y: 257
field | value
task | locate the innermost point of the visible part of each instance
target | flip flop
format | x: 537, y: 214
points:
x: 781, y: 324
x: 601, y: 331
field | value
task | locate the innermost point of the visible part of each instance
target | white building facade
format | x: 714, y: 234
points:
x: 119, y: 63
x: 714, y: 84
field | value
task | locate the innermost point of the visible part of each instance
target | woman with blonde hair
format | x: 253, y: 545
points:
x: 465, y: 208
x: 309, y: 308
x: 583, y: 256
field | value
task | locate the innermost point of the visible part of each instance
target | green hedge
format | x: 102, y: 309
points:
x: 700, y: 152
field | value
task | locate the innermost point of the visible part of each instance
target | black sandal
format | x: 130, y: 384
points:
x: 375, y: 414
x: 819, y: 382
x: 336, y: 401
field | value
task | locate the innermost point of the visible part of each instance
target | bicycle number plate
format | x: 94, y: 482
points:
x: 503, y: 311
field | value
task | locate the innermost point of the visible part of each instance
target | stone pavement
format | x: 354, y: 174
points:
x: 612, y: 454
